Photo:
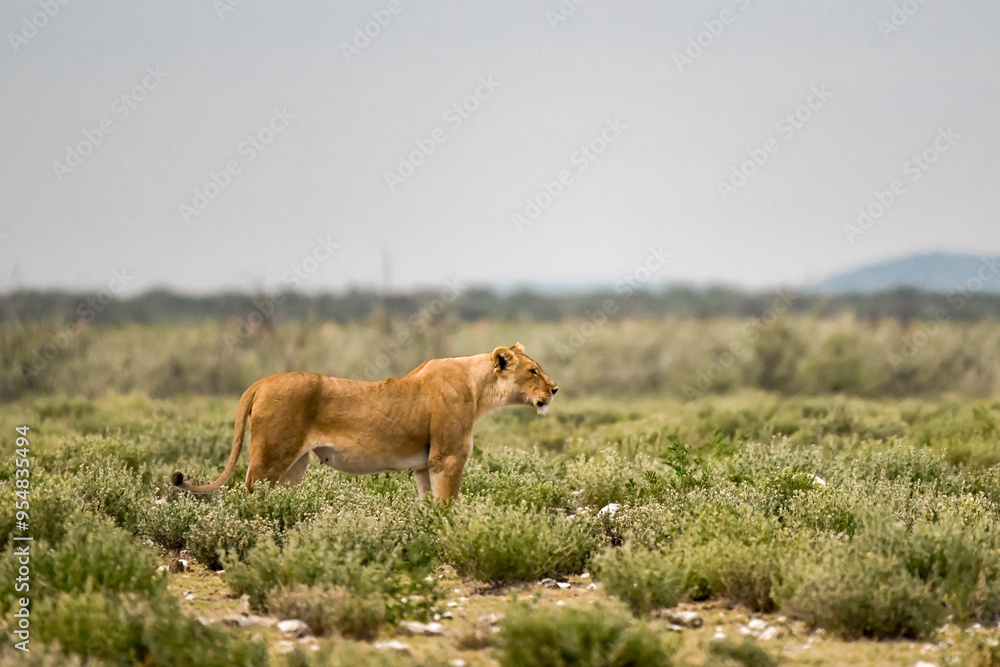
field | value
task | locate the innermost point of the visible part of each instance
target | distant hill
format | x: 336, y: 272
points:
x: 929, y: 272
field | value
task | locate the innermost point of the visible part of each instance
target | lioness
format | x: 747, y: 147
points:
x: 421, y: 422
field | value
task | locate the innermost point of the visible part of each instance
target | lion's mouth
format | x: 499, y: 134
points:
x: 542, y: 407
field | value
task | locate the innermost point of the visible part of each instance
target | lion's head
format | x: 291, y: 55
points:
x: 521, y: 379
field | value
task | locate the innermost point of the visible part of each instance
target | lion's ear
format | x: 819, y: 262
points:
x: 517, y: 347
x: 502, y: 359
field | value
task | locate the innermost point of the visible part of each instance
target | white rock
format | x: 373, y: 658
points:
x: 245, y: 602
x: 293, y: 627
x: 688, y: 619
x: 548, y: 582
x: 205, y: 621
x: 284, y: 646
x: 452, y: 604
x: 457, y: 662
x: 563, y: 584
x: 757, y: 624
x: 447, y: 616
x: 924, y: 663
x: 418, y: 629
x: 719, y: 635
x: 769, y: 634
x: 674, y: 628
x: 591, y: 587
x: 560, y: 603
x: 585, y: 575
x: 189, y: 595
x: 745, y: 631
x: 490, y: 619
x: 610, y: 509
x: 393, y: 645
x: 817, y: 480
x: 162, y: 568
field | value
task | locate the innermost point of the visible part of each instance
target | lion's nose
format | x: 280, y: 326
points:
x: 554, y: 390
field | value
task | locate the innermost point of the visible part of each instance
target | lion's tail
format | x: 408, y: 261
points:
x: 242, y: 413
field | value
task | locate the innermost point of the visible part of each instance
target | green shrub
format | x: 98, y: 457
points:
x: 219, y: 530
x: 365, y: 549
x: 644, y: 580
x: 651, y: 525
x: 109, y: 488
x: 132, y: 629
x: 734, y: 554
x: 168, y: 524
x: 746, y: 653
x: 95, y: 555
x: 595, y: 637
x: 512, y: 477
x: 616, y: 479
x: 507, y: 544
x: 329, y: 610
x: 52, y: 501
x: 857, y: 594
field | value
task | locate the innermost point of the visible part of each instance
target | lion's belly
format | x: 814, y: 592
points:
x: 352, y: 459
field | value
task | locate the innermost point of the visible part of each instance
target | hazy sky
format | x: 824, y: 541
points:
x: 202, y: 146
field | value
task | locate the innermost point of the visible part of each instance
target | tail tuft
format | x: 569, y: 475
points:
x: 177, y: 479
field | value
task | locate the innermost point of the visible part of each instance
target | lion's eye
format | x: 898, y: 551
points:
x: 534, y: 371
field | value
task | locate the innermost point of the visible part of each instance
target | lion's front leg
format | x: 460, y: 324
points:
x: 445, y: 465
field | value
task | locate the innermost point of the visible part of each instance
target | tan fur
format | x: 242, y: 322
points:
x: 421, y: 422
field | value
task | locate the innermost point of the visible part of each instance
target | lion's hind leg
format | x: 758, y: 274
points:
x: 296, y: 472
x: 275, y: 457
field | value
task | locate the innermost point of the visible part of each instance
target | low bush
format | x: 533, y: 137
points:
x: 220, y: 531
x: 651, y: 525
x: 95, y: 555
x: 644, y: 580
x: 747, y: 653
x: 365, y: 549
x: 595, y: 637
x: 330, y: 610
x: 133, y: 629
x: 511, y: 478
x: 861, y: 594
x: 506, y: 544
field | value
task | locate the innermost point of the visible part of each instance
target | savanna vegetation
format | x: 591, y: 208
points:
x: 819, y: 490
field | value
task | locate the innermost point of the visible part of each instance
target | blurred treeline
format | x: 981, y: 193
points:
x: 478, y: 304
x: 676, y: 343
